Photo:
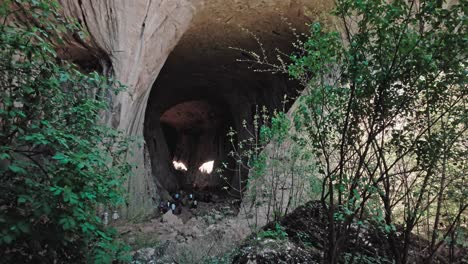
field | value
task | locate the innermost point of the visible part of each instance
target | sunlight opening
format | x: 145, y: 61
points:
x: 179, y: 165
x: 207, y: 167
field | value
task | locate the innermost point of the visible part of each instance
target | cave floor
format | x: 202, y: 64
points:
x: 210, y: 204
x: 211, y: 229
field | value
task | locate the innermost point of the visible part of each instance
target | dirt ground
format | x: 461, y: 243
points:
x: 192, y: 236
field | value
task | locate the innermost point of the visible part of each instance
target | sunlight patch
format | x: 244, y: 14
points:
x: 207, y: 167
x: 179, y: 165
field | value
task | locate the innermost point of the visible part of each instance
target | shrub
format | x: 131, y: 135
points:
x: 277, y: 234
x: 57, y: 163
x: 383, y: 114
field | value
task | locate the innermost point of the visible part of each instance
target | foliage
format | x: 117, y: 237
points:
x: 277, y: 234
x: 384, y: 116
x: 363, y: 259
x: 276, y: 166
x: 57, y: 163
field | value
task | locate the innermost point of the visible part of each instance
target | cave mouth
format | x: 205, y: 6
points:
x: 188, y: 119
x: 204, y: 89
x: 191, y: 108
x: 194, y: 132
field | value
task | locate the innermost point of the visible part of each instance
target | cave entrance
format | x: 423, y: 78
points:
x: 203, y: 89
x: 195, y: 136
x: 191, y: 107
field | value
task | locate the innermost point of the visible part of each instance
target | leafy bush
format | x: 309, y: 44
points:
x: 277, y: 234
x: 277, y: 167
x: 383, y: 114
x: 57, y: 163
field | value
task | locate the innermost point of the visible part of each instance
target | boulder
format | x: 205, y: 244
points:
x: 171, y: 219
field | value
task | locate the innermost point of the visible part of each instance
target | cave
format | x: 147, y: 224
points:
x: 172, y: 54
x: 202, y: 91
x: 194, y: 133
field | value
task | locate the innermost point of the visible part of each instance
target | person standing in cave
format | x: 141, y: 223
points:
x: 163, y: 208
x: 176, y: 208
x: 193, y: 204
x: 177, y: 197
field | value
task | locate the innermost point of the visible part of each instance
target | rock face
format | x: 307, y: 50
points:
x: 131, y: 40
x: 174, y: 57
x: 301, y: 237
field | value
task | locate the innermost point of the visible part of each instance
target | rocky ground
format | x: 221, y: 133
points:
x: 191, y: 237
x: 216, y: 229
x: 300, y: 237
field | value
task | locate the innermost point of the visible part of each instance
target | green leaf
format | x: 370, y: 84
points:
x: 61, y: 158
x: 16, y: 169
x: 23, y: 199
x: 8, y: 239
x: 24, y: 227
x: 56, y: 190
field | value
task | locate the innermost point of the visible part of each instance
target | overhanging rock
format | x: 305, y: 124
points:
x: 132, y: 40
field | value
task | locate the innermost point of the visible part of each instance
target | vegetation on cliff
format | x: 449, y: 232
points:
x: 58, y: 164
x: 383, y: 120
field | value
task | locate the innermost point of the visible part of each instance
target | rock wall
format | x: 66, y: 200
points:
x: 132, y: 39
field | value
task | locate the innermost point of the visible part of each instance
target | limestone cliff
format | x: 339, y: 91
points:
x: 132, y: 40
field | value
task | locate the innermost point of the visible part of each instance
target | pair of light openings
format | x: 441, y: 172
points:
x: 206, y: 167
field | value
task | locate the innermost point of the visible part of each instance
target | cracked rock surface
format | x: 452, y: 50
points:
x: 131, y: 40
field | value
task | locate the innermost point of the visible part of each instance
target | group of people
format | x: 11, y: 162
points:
x: 180, y: 199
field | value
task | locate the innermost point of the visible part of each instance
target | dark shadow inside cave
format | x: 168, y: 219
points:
x: 194, y: 133
x: 200, y: 93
